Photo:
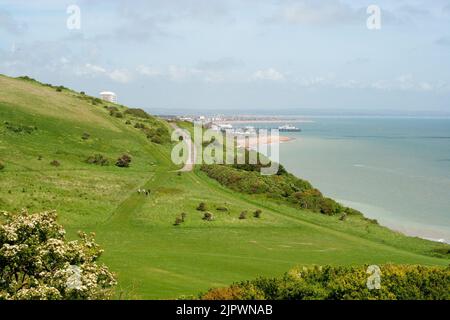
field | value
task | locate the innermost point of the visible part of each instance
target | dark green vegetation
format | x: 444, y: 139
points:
x: 282, y: 187
x: 151, y: 257
x: 397, y: 282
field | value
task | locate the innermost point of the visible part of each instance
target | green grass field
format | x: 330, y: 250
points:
x: 152, y: 258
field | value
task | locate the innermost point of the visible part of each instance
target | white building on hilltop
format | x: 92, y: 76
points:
x: 108, y: 96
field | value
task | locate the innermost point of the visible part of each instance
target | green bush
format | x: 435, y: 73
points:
x: 123, y: 161
x: 397, y: 282
x: 243, y: 215
x: 257, y: 214
x: 2, y: 166
x: 85, y: 136
x: 139, y: 113
x: 98, y: 159
x: 202, y: 207
x: 284, y: 186
x: 55, y: 163
x: 208, y: 216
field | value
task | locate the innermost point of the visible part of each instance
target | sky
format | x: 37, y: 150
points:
x: 237, y: 56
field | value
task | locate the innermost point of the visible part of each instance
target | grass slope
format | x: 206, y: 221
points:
x: 152, y: 258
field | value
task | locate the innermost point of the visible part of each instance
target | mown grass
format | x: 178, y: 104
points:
x: 153, y: 258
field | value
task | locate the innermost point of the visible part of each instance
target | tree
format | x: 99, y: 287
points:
x: 123, y: 161
x: 37, y: 262
x: 257, y: 213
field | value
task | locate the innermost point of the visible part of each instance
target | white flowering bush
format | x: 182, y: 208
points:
x: 36, y: 261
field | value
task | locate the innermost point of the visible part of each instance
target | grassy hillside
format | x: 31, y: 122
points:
x: 41, y: 124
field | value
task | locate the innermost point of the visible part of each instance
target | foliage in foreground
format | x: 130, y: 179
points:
x: 36, y: 261
x: 397, y: 282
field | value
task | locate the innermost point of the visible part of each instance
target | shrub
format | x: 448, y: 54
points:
x: 83, y: 93
x: 98, y: 159
x: 118, y: 114
x: 2, y: 166
x: 85, y: 136
x: 59, y: 89
x: 38, y: 263
x: 137, y: 113
x: 202, y: 207
x: 55, y: 163
x: 257, y: 213
x: 398, y: 282
x: 208, y: 216
x: 128, y: 122
x: 183, y: 216
x: 243, y: 215
x: 123, y: 161
x: 178, y: 221
x: 223, y: 209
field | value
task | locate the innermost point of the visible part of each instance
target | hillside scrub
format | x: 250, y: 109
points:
x: 397, y: 282
x: 38, y: 263
x: 2, y: 166
x: 123, y: 161
x: 284, y: 186
x: 98, y: 159
x: 136, y: 112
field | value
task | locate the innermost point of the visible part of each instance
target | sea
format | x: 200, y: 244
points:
x: 393, y: 169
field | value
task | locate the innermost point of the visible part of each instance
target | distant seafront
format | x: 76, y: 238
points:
x: 396, y: 170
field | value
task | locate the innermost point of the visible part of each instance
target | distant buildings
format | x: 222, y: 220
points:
x: 109, y: 96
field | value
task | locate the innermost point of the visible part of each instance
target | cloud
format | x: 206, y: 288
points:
x: 270, y: 74
x: 9, y: 24
x: 92, y: 71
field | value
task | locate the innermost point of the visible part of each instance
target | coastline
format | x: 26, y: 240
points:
x: 252, y: 142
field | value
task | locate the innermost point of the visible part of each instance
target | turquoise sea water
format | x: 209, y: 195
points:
x: 396, y: 170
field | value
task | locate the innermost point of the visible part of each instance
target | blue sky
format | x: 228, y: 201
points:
x: 249, y: 56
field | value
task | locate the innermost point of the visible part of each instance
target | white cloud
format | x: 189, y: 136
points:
x: 270, y: 74
x: 91, y: 70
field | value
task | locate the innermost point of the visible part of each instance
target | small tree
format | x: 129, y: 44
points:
x: 202, y: 207
x: 257, y: 213
x: 123, y: 161
x: 208, y: 216
x: 37, y: 262
x: 178, y: 221
x: 55, y: 163
x: 243, y: 215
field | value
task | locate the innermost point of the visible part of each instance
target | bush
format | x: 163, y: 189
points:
x: 98, y: 159
x: 123, y: 161
x: 55, y: 163
x: 128, y: 122
x: 397, y: 282
x: 257, y: 213
x: 223, y: 209
x: 243, y: 215
x: 137, y: 113
x: 202, y: 207
x: 38, y: 263
x: 85, y: 136
x: 178, y: 221
x: 2, y: 166
x: 208, y: 216
x: 183, y: 216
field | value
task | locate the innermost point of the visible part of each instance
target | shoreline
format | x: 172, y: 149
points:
x: 252, y: 142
